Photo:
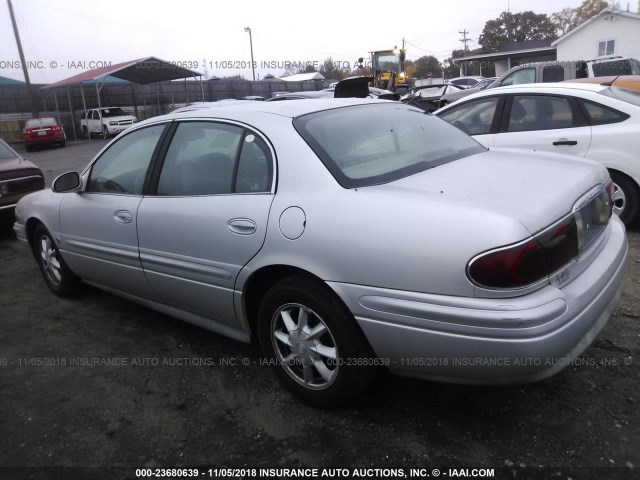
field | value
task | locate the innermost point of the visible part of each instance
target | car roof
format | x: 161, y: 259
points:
x: 548, y: 88
x: 286, y: 109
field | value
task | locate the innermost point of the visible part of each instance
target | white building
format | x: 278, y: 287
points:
x: 610, y: 32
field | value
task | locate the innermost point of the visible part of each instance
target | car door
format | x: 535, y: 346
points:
x: 99, y: 225
x: 207, y: 217
x: 552, y: 123
x: 94, y: 122
x: 479, y: 118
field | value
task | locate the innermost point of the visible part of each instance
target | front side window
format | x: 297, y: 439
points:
x: 539, y: 112
x: 379, y: 143
x: 524, y: 75
x: 207, y: 158
x: 474, y: 117
x: 123, y: 166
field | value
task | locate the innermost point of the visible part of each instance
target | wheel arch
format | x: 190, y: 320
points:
x: 260, y: 281
x: 31, y: 226
x: 257, y: 285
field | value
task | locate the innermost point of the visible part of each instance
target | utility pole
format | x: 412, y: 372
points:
x: 464, y: 38
x: 253, y: 67
x: 25, y: 71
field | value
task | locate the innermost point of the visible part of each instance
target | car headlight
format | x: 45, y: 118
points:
x: 113, y: 122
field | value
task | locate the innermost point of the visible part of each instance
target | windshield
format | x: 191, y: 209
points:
x: 40, y: 122
x: 379, y: 143
x: 624, y: 94
x: 6, y: 153
x: 112, y: 112
x: 386, y: 62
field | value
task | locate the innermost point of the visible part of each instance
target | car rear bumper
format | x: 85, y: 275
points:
x: 492, y: 341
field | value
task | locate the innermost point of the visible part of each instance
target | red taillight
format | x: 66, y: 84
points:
x: 509, y: 267
x: 529, y: 261
x: 57, y: 128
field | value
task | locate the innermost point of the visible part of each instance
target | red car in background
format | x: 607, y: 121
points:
x: 43, y: 131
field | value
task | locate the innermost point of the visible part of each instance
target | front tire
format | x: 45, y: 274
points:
x: 313, y: 342
x: 625, y: 198
x: 105, y: 131
x: 57, y: 275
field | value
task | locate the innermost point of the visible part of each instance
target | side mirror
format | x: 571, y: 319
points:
x: 67, y: 182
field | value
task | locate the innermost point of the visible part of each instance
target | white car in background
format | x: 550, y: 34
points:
x: 105, y: 121
x: 599, y: 122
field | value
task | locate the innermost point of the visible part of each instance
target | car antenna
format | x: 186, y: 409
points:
x: 608, y: 84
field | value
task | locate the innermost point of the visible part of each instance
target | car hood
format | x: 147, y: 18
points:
x: 16, y: 164
x: 533, y: 188
x: 119, y: 117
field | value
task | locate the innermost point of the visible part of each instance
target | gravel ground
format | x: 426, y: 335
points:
x: 97, y: 387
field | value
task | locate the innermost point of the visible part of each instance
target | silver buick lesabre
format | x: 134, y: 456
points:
x: 344, y: 236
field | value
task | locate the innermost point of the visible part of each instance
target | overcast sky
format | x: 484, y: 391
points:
x: 65, y: 37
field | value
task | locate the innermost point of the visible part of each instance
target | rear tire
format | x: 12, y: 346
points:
x: 28, y: 148
x: 625, y: 198
x: 313, y: 342
x: 57, y: 275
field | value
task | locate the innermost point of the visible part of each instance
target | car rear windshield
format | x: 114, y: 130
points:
x: 379, y: 143
x: 41, y: 122
x: 112, y: 112
x: 624, y: 94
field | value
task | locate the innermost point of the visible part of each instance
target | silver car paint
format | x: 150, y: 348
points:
x: 376, y: 245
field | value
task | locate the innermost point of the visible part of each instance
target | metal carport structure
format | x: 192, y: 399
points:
x: 138, y: 72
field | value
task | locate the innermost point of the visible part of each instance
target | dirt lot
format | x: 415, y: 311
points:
x: 175, y: 396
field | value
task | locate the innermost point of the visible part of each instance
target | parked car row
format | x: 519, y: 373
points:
x: 599, y: 122
x: 382, y: 237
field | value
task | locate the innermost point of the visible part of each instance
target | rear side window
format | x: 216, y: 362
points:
x: 601, y: 115
x: 379, y: 143
x: 539, y: 112
x: 209, y: 158
x: 613, y: 67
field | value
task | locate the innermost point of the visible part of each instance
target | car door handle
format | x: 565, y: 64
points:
x: 565, y: 142
x: 123, y: 216
x: 242, y: 226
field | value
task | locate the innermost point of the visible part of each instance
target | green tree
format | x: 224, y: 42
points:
x: 515, y: 27
x: 332, y: 71
x: 569, y: 18
x: 426, y: 64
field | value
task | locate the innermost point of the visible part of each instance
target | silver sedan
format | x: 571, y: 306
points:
x: 344, y: 236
